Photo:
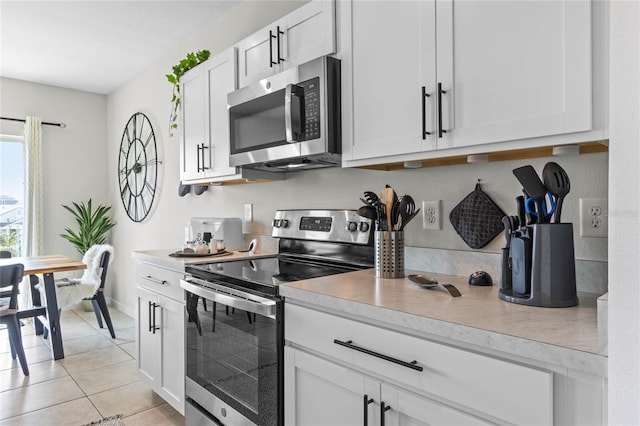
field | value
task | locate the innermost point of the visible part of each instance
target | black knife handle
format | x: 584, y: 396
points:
x: 521, y: 211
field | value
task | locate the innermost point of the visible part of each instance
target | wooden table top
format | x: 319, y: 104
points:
x: 46, y: 264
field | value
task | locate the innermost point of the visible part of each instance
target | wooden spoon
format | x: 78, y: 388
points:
x: 386, y: 197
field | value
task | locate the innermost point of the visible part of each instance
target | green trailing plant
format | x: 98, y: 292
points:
x: 185, y: 65
x: 93, y: 225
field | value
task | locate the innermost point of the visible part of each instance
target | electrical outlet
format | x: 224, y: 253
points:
x: 432, y: 215
x: 594, y: 217
x: 248, y: 213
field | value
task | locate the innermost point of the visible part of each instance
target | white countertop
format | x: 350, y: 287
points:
x: 566, y: 337
x: 161, y: 257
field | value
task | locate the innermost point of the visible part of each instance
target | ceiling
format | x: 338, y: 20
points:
x: 95, y: 46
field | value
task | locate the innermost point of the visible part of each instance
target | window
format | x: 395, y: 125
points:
x: 12, y: 188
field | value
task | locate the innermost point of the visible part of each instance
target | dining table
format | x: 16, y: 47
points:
x: 47, y: 316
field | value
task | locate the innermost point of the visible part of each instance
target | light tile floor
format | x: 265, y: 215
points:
x: 96, y: 379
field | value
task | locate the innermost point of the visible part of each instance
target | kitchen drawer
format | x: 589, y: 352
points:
x: 497, y: 388
x: 160, y: 279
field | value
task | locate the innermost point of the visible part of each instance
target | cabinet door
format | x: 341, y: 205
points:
x: 170, y: 351
x: 319, y: 392
x: 388, y: 41
x: 148, y: 361
x: 409, y: 409
x: 255, y: 56
x: 305, y: 34
x: 221, y: 79
x: 513, y: 69
x: 309, y: 33
x: 193, y: 110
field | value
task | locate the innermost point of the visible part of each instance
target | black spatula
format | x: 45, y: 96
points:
x: 531, y: 183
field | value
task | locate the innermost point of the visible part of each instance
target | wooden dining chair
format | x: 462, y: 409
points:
x: 11, y: 276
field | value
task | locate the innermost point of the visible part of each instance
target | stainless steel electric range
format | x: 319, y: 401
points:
x: 235, y: 326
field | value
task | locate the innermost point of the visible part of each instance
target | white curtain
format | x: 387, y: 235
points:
x: 32, y: 219
x: 32, y: 228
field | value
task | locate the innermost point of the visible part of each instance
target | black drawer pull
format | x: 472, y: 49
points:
x: 349, y: 344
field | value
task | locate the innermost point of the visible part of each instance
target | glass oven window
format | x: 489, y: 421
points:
x: 258, y: 123
x: 233, y: 354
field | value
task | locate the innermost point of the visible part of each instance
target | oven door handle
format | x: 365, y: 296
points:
x: 231, y: 297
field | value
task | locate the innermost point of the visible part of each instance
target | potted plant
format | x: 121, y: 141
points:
x: 185, y: 65
x: 93, y: 225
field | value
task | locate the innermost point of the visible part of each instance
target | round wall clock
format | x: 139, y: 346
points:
x: 138, y: 167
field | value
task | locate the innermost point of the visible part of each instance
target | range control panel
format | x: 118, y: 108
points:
x: 344, y: 226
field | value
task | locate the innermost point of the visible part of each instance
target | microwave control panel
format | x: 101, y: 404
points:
x: 311, y: 108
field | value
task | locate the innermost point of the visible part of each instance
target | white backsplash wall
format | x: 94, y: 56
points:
x: 325, y: 188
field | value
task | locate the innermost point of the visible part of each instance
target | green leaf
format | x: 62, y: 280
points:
x: 93, y: 225
x: 190, y: 61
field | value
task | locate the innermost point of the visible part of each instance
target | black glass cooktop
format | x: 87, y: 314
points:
x: 266, y: 272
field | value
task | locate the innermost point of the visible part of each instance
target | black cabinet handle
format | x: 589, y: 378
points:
x: 154, y: 327
x: 367, y: 401
x: 198, y: 157
x: 349, y: 344
x: 271, y: 37
x: 383, y: 409
x: 278, y: 32
x: 150, y: 321
x: 425, y: 95
x: 202, y: 148
x: 440, y: 92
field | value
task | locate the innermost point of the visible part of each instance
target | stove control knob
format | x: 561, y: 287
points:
x: 276, y: 223
x: 364, y: 227
x: 352, y: 226
x: 284, y: 223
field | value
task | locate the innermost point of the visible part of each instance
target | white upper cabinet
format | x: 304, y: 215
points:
x: 492, y: 71
x: 304, y: 34
x: 220, y: 72
x: 387, y: 42
x: 205, y: 121
x: 193, y: 130
x: 512, y: 69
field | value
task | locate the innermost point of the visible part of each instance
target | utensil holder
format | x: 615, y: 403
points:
x: 552, y: 276
x: 389, y: 249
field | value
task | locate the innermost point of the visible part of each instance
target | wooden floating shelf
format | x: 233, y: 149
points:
x: 517, y: 154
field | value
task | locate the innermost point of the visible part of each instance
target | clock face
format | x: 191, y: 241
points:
x: 138, y: 167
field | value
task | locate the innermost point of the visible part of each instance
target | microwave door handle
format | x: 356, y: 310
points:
x: 294, y: 112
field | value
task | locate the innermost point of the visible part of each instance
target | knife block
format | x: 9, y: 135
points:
x: 552, y: 276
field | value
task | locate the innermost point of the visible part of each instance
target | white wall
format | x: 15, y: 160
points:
x: 624, y: 214
x: 333, y: 188
x: 74, y: 158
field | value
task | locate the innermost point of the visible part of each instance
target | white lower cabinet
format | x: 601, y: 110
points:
x: 321, y: 392
x: 332, y: 362
x: 160, y: 333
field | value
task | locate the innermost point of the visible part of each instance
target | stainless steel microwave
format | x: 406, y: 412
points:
x: 289, y: 121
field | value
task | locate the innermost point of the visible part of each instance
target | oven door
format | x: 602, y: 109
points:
x: 234, y: 354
